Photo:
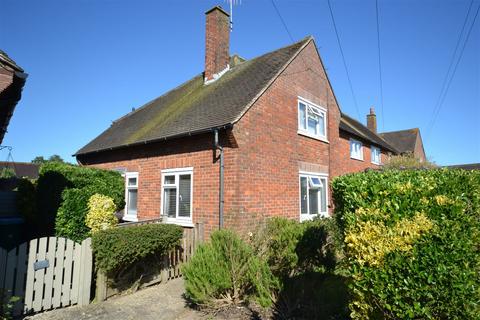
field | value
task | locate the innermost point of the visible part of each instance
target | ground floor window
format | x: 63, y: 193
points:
x: 131, y: 196
x: 313, y: 195
x: 177, y: 187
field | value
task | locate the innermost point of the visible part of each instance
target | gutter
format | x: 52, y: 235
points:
x: 175, y: 136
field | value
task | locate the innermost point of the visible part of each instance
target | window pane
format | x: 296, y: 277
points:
x: 303, y: 195
x: 184, y: 200
x: 302, y: 116
x: 132, y: 181
x: 313, y: 125
x: 313, y: 200
x: 169, y: 179
x: 323, y: 196
x: 170, y: 202
x: 322, y: 126
x: 132, y: 202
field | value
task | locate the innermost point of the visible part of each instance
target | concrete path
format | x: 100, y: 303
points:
x: 161, y: 302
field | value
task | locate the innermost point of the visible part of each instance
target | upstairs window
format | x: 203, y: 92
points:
x: 312, y: 120
x: 313, y: 196
x: 131, y: 196
x: 376, y: 155
x: 177, y: 195
x: 356, y: 149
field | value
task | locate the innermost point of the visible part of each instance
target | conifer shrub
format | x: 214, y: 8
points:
x: 225, y: 271
x: 411, y: 243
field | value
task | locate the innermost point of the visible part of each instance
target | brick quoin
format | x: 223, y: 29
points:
x: 263, y: 155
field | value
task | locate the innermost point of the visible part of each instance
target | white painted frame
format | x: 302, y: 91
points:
x: 373, y: 149
x: 321, y: 176
x: 127, y: 216
x: 354, y: 156
x: 177, y: 172
x: 320, y: 110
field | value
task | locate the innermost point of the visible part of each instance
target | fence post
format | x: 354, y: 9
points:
x: 101, y: 289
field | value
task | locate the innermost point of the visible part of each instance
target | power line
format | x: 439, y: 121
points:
x: 445, y: 80
x: 283, y: 21
x: 380, y: 66
x: 343, y: 59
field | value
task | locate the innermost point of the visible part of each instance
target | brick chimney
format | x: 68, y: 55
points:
x: 372, y: 120
x: 217, y: 43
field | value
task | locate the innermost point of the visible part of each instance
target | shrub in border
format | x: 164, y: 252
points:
x: 118, y: 248
x: 101, y: 213
x: 226, y: 271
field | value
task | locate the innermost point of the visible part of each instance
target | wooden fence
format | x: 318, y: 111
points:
x: 47, y: 273
x: 169, y: 265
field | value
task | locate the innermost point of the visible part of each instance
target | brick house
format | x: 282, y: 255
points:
x: 243, y: 140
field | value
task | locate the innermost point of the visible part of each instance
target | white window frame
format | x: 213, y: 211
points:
x: 308, y: 175
x: 177, y: 172
x: 352, y: 155
x: 379, y: 160
x: 128, y: 216
x: 313, y: 109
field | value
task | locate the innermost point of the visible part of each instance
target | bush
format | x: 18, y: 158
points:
x: 292, y: 248
x: 101, y: 213
x: 225, y: 271
x: 26, y: 200
x: 407, y: 161
x: 411, y: 243
x: 55, y: 178
x: 118, y: 248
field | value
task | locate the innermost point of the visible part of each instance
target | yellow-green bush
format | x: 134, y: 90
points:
x: 101, y: 213
x: 411, y: 243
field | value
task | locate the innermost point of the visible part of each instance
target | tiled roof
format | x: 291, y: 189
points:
x: 22, y: 169
x: 194, y: 107
x: 469, y: 166
x: 357, y: 129
x: 6, y: 60
x: 403, y: 141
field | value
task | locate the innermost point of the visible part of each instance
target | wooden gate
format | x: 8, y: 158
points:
x: 47, y: 273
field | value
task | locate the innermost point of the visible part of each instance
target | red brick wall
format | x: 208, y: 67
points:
x: 263, y: 155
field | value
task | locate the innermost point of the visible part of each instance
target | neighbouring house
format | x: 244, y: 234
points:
x: 467, y: 166
x: 243, y: 140
x: 406, y: 142
x: 12, y: 80
x: 21, y: 169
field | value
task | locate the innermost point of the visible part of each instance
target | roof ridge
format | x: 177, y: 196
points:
x: 411, y: 129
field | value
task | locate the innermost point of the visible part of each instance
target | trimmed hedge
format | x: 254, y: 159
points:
x: 118, y: 248
x: 52, y: 196
x: 411, y: 243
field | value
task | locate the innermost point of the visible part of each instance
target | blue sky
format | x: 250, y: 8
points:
x: 91, y: 61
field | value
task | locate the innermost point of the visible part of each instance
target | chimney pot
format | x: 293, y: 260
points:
x: 372, y: 120
x: 217, y: 43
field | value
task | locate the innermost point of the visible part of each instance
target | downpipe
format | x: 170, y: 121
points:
x: 221, y: 181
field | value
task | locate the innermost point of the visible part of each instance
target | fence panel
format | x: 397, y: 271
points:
x: 40, y: 273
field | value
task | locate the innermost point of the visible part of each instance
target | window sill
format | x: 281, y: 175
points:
x: 130, y: 218
x: 376, y: 163
x: 183, y: 223
x: 309, y: 217
x: 306, y: 134
x: 358, y: 159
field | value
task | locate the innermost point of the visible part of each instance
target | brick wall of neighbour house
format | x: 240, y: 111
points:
x: 342, y: 163
x: 419, y: 152
x: 263, y: 155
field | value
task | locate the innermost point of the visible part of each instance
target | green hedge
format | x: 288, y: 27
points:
x: 51, y: 196
x: 118, y: 248
x: 412, y: 243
